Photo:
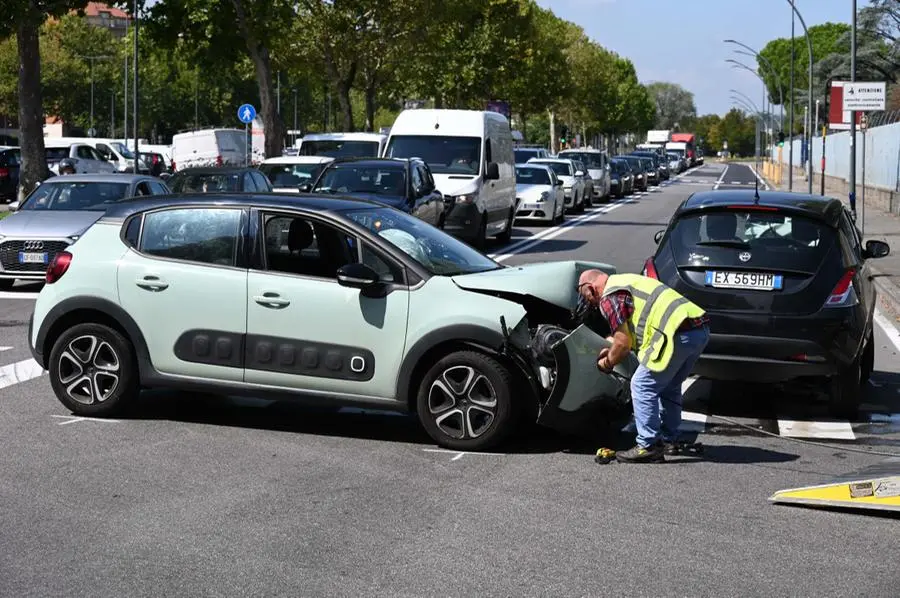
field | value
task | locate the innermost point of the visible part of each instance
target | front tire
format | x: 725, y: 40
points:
x: 506, y: 235
x: 93, y: 370
x: 481, y: 236
x: 465, y: 402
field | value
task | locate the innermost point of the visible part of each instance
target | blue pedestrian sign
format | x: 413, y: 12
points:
x: 246, y: 113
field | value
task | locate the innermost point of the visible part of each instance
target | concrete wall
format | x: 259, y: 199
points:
x: 882, y: 156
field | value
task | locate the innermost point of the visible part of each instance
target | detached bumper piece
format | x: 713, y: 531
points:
x: 875, y: 488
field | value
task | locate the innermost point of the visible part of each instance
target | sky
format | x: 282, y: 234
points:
x: 681, y: 41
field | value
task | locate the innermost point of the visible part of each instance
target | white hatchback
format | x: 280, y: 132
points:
x: 288, y: 173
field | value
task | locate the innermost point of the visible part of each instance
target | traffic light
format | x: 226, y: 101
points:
x: 781, y: 138
x: 564, y: 134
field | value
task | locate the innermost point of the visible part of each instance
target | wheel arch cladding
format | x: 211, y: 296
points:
x: 83, y: 310
x: 439, y: 343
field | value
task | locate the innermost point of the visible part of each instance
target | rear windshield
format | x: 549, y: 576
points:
x: 523, y: 155
x: 205, y: 183
x: 59, y: 194
x: 560, y: 168
x: 340, y: 148
x: 592, y: 160
x: 285, y: 176
x: 773, y: 240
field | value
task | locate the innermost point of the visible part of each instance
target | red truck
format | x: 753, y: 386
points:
x: 687, y: 139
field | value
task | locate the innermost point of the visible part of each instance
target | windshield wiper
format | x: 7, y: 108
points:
x: 726, y: 243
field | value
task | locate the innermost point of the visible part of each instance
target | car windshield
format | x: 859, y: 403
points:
x: 435, y: 250
x: 775, y: 240
x: 617, y: 167
x: 389, y: 181
x: 80, y: 195
x: 55, y: 154
x: 205, y: 183
x: 120, y: 147
x: 560, y: 168
x: 285, y: 176
x: 532, y: 176
x: 590, y: 159
x: 339, y: 148
x: 444, y: 155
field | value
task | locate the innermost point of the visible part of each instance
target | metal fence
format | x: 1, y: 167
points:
x: 882, y: 153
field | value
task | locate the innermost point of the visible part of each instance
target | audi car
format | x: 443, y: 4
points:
x: 56, y: 214
x: 786, y: 281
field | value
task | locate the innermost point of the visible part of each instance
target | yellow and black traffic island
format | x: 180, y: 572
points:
x: 874, y: 488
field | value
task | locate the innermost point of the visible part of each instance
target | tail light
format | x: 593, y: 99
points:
x: 173, y: 165
x: 219, y: 160
x: 843, y: 294
x: 4, y: 172
x: 58, y: 266
x: 650, y: 269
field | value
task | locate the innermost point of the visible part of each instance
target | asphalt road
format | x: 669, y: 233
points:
x: 200, y: 496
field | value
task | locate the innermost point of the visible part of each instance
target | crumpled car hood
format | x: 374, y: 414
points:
x: 553, y: 282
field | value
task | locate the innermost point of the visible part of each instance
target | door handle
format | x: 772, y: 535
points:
x: 270, y: 299
x: 151, y: 283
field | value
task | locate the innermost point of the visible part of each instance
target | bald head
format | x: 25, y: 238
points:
x: 591, y: 284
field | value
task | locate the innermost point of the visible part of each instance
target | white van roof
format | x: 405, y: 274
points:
x: 444, y: 122
x: 203, y: 133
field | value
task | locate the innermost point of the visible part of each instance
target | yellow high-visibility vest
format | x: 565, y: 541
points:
x: 658, y: 313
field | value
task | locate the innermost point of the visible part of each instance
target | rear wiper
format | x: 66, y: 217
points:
x: 726, y: 243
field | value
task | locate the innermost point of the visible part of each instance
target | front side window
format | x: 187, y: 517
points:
x: 201, y: 235
x: 297, y: 245
x: 444, y: 155
x: 105, y: 152
x: 84, y: 152
x: 61, y: 195
x: 433, y: 249
x: 126, y: 153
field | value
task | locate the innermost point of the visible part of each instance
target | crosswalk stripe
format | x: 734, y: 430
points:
x: 19, y: 372
x: 5, y: 348
x: 833, y: 430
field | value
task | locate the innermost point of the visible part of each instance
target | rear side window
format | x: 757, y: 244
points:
x: 751, y: 239
x: 200, y: 235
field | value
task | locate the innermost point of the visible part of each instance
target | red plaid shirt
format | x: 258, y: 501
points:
x: 618, y: 307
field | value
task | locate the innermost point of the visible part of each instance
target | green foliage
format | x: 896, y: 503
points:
x: 674, y: 105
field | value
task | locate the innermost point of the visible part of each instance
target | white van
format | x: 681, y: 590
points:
x: 342, y: 145
x: 209, y: 147
x: 470, y: 154
x: 111, y: 150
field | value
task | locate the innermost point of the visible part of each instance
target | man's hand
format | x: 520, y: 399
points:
x: 603, y: 363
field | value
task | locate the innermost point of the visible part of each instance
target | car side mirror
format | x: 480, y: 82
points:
x: 559, y: 183
x: 579, y: 173
x: 357, y: 276
x: 304, y: 187
x: 13, y: 206
x: 658, y: 236
x: 492, y: 172
x: 877, y: 249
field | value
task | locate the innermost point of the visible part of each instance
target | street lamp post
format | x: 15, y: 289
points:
x: 809, y: 99
x: 736, y: 63
x: 762, y: 59
x: 852, y: 116
x: 92, y: 59
x: 135, y: 91
x: 751, y: 106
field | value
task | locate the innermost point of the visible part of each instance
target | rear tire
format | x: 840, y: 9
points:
x: 93, y: 371
x: 465, y: 402
x: 846, y: 393
x: 868, y: 359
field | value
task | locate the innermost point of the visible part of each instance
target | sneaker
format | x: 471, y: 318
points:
x: 671, y: 448
x: 640, y: 454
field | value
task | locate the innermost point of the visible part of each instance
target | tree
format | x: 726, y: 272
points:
x: 633, y: 110
x: 218, y: 29
x: 674, y: 104
x: 24, y: 19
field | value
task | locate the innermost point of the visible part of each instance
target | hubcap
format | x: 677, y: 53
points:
x: 462, y: 402
x: 89, y: 370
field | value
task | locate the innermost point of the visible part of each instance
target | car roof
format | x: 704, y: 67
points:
x: 549, y: 160
x: 106, y: 177
x: 214, y: 170
x: 298, y: 160
x: 314, y: 203
x: 369, y: 161
x: 819, y: 207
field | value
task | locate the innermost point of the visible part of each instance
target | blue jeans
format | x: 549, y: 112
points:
x: 656, y: 396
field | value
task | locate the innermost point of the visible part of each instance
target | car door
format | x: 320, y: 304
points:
x: 435, y: 199
x: 306, y: 331
x: 422, y: 206
x: 184, y: 283
x: 580, y: 386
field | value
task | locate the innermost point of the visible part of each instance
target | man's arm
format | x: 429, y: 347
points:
x: 621, y: 346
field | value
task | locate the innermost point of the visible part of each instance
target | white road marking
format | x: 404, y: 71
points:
x: 74, y: 419
x: 692, y: 421
x: 534, y: 240
x: 5, y: 348
x: 460, y: 454
x: 762, y: 181
x: 13, y: 295
x: 21, y: 371
x: 834, y: 430
x: 721, y: 178
x: 885, y: 418
x: 889, y: 329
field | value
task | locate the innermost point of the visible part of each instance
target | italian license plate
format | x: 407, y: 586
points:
x: 32, y: 258
x: 756, y: 281
x: 532, y: 206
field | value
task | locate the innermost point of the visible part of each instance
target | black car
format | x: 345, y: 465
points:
x: 639, y: 167
x: 219, y: 179
x: 787, y: 285
x: 662, y: 167
x: 9, y: 174
x: 621, y: 178
x: 405, y: 184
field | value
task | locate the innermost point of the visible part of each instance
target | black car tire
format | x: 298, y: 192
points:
x: 481, y: 236
x: 443, y: 415
x: 846, y: 392
x: 112, y: 356
x: 506, y: 235
x: 868, y: 359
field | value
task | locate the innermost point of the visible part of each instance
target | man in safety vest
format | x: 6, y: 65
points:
x: 667, y: 332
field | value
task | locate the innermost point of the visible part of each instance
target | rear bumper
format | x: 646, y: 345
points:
x: 763, y: 359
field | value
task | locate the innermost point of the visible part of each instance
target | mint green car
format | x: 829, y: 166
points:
x: 329, y: 300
